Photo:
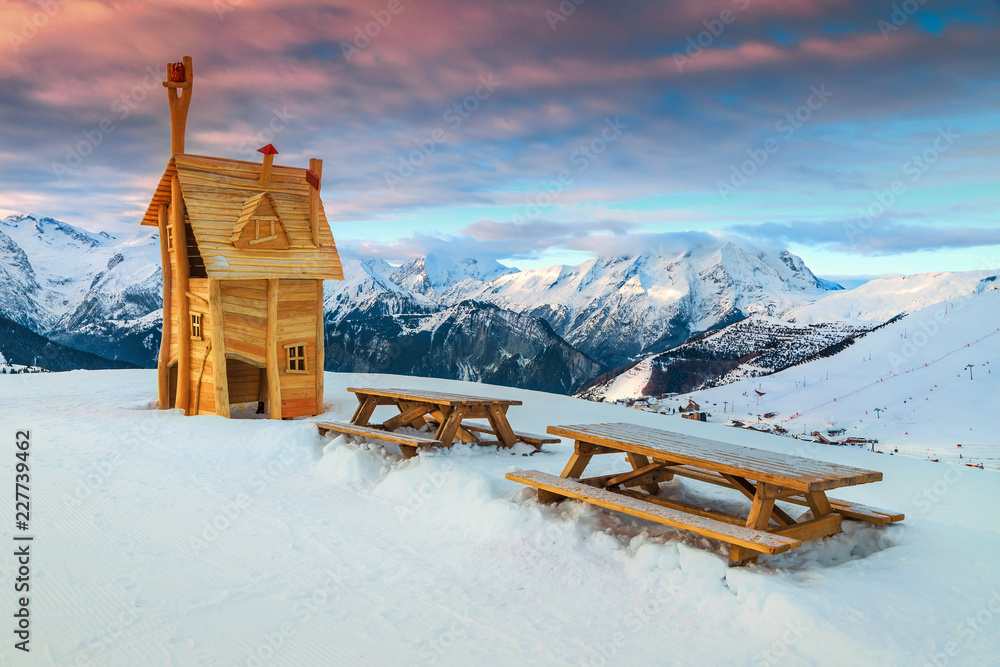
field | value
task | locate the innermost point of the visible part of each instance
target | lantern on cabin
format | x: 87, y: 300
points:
x: 177, y: 72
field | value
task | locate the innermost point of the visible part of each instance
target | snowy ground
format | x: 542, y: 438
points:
x: 915, y: 371
x: 169, y: 540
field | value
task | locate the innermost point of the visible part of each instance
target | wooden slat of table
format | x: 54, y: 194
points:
x: 786, y: 470
x: 849, y: 509
x: 435, y: 397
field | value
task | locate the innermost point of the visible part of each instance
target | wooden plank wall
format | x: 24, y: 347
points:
x: 244, y: 307
x: 297, y: 311
x: 199, y: 351
x: 244, y: 381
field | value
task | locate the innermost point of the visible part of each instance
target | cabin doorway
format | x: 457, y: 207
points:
x: 247, y: 385
x: 172, y: 385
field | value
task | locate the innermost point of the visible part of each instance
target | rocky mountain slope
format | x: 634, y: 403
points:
x: 375, y: 325
x: 757, y: 346
x: 554, y: 329
x: 617, y: 308
x: 93, y: 292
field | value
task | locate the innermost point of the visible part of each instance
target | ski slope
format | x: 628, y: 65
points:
x: 882, y: 299
x: 916, y: 371
x: 169, y: 540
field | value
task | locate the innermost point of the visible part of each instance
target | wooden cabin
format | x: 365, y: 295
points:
x: 245, y: 248
x: 690, y: 407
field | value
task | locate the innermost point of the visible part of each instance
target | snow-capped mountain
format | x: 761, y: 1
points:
x: 608, y: 308
x: 754, y: 347
x: 616, y: 308
x: 465, y: 341
x: 433, y: 276
x: 93, y: 292
x: 883, y: 298
x: 761, y: 345
x: 374, y: 324
x: 935, y: 361
x: 554, y: 329
x: 46, y: 267
x: 369, y: 290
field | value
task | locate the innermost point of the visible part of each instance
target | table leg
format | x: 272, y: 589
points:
x: 453, y: 420
x: 640, y: 461
x: 577, y: 461
x: 460, y: 433
x: 574, y: 469
x: 366, y: 406
x: 497, y: 416
x: 406, y: 416
x: 760, y: 516
x: 819, y: 504
x: 419, y: 422
x: 747, y: 488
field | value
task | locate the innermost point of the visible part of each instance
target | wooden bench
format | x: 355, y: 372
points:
x: 404, y: 440
x: 529, y: 438
x: 756, y: 540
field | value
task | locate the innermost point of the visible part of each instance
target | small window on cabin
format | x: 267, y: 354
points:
x: 196, y: 326
x: 170, y: 238
x: 295, y: 359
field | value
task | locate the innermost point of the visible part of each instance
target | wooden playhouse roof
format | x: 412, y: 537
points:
x: 215, y: 191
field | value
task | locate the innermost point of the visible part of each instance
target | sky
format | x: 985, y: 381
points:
x: 862, y: 135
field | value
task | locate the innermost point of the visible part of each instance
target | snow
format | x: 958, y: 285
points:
x: 882, y: 299
x: 630, y: 383
x: 914, y: 370
x: 164, y: 539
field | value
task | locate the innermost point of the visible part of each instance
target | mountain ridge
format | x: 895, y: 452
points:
x: 101, y: 294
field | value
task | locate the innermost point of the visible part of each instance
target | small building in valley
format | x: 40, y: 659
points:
x: 690, y: 407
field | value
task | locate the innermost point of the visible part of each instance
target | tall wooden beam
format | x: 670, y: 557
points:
x: 163, y: 375
x: 271, y: 350
x: 320, y: 347
x: 182, y: 269
x: 216, y: 323
x: 179, y: 98
x: 316, y: 167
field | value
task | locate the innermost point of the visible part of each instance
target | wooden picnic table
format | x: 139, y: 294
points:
x: 764, y: 477
x: 449, y: 413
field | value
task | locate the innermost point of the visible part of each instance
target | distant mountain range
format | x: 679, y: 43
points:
x: 616, y: 308
x: 759, y: 345
x: 93, y: 292
x: 553, y: 329
x: 756, y: 346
